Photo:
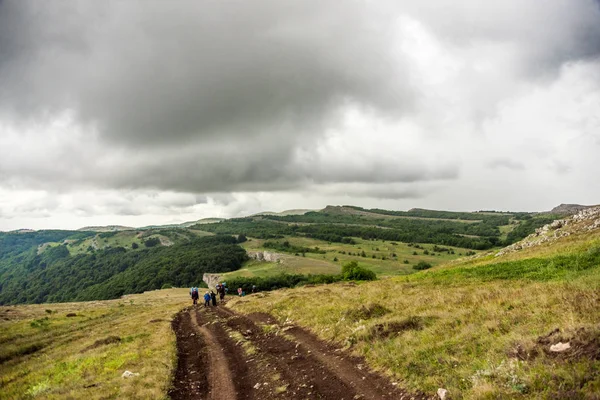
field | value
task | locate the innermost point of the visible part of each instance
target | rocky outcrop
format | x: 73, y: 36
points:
x: 585, y: 220
x: 265, y: 256
x: 568, y: 209
x: 211, y: 279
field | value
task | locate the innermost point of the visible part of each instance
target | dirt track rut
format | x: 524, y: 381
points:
x: 225, y: 355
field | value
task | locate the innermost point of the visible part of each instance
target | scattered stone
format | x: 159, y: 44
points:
x: 442, y: 393
x: 72, y: 314
x: 129, y: 374
x: 585, y: 220
x: 257, y: 386
x: 560, y: 347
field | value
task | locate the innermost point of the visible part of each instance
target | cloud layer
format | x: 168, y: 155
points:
x: 444, y: 104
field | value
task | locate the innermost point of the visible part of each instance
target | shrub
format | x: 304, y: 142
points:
x: 352, y: 271
x: 421, y: 265
x: 152, y: 242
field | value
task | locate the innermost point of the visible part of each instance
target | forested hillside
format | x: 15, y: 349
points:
x: 477, y: 230
x: 55, y: 275
x: 58, y: 266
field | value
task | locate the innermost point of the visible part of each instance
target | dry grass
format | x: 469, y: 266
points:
x: 46, y: 355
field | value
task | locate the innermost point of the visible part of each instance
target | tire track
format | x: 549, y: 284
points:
x: 252, y: 357
x: 220, y: 382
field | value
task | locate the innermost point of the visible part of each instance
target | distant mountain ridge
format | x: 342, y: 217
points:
x: 283, y: 213
x: 107, y: 228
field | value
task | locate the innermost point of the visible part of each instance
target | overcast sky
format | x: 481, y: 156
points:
x: 150, y: 112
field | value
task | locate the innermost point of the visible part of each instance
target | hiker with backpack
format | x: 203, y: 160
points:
x: 194, y: 295
x: 221, y: 291
x: 206, y: 299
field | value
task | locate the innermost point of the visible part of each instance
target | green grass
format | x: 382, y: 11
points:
x: 564, y: 267
x: 289, y: 265
x: 326, y: 263
x: 506, y: 229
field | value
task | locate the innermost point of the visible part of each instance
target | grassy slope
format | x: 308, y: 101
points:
x: 59, y: 366
x: 314, y: 263
x: 459, y: 326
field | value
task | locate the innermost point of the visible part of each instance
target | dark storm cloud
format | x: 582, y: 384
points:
x: 151, y: 71
x: 216, y: 96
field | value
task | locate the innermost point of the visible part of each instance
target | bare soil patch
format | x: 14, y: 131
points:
x: 102, y: 342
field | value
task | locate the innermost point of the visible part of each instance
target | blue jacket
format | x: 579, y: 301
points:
x: 206, y: 297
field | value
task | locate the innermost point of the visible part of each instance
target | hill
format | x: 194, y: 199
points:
x: 476, y: 231
x: 568, y: 209
x: 489, y: 326
x: 107, y: 228
x: 283, y: 213
x: 33, y: 274
x: 105, y: 262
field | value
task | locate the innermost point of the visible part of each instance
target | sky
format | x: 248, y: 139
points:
x: 154, y: 112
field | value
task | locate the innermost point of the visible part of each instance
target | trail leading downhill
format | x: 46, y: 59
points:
x: 229, y: 356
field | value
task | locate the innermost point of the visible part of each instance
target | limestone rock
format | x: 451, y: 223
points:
x: 560, y: 347
x: 264, y: 256
x: 129, y: 374
x: 442, y: 393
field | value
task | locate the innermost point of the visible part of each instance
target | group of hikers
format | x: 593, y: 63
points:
x: 211, y: 296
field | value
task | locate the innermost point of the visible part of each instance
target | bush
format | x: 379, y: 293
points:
x: 352, y: 271
x: 421, y: 265
x: 152, y: 242
x: 134, y: 245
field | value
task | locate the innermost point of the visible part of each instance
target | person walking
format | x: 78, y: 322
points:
x: 213, y: 297
x: 194, y: 294
x: 221, y: 292
x: 206, y: 299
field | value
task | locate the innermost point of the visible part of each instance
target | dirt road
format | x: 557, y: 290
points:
x: 227, y: 356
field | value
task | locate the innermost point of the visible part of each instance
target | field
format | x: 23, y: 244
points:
x: 481, y: 327
x: 47, y: 354
x: 385, y: 258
